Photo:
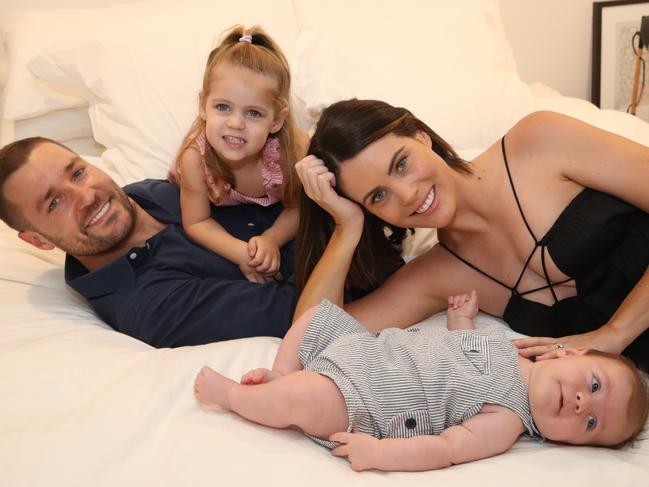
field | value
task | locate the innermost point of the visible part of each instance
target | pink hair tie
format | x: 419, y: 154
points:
x: 246, y: 38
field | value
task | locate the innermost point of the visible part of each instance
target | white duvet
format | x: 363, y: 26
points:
x: 82, y: 405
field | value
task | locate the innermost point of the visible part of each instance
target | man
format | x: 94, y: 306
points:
x: 128, y: 255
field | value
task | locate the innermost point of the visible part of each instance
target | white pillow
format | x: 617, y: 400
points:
x: 27, y: 34
x: 142, y: 74
x: 449, y: 62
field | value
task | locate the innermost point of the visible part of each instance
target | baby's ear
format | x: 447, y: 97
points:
x: 567, y: 352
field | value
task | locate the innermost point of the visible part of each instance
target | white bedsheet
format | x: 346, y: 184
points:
x: 82, y: 405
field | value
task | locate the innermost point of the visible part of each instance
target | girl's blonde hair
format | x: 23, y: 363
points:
x: 262, y: 55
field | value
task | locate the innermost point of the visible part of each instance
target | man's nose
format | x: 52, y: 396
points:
x: 83, y: 196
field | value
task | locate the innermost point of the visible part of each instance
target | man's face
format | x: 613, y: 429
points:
x: 69, y: 203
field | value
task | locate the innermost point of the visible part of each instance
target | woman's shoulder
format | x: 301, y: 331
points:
x: 544, y: 130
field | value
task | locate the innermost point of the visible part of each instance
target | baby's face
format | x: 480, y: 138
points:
x: 581, y: 399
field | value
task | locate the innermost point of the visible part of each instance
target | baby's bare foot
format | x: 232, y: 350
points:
x: 212, y: 389
x: 259, y: 376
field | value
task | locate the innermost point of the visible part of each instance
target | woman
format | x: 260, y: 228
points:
x: 549, y: 225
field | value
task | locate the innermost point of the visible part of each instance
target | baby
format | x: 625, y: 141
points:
x: 421, y: 399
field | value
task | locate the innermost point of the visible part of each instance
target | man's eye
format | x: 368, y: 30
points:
x: 222, y: 107
x: 53, y: 204
x: 594, y: 385
x: 78, y: 173
x: 592, y: 422
x: 378, y: 196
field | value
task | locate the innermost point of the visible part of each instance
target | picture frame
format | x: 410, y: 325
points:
x: 614, y: 24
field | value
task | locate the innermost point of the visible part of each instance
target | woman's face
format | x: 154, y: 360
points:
x: 401, y: 180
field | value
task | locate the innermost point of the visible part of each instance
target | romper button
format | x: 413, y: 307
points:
x: 132, y: 256
x: 411, y: 423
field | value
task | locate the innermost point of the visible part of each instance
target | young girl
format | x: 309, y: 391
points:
x: 241, y: 149
x: 420, y: 399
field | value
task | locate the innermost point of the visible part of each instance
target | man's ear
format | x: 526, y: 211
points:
x: 424, y: 138
x: 278, y: 123
x: 201, y: 106
x: 568, y: 352
x: 36, y: 239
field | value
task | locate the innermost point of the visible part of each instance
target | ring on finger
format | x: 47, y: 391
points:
x: 559, y: 345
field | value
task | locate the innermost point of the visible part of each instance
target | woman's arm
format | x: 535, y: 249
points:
x: 408, y: 296
x: 329, y: 275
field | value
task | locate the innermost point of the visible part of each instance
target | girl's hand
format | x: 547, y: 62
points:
x: 252, y: 275
x: 264, y: 255
x: 249, y: 272
x: 546, y: 347
x: 318, y: 182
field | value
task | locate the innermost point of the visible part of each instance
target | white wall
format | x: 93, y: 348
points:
x: 551, y: 39
x: 552, y: 42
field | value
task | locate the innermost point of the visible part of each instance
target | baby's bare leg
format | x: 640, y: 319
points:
x: 305, y: 399
x: 287, y: 360
x: 212, y: 388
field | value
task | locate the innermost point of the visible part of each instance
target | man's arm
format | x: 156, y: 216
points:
x: 178, y: 310
x: 492, y: 431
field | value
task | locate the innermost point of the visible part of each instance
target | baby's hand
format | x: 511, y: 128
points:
x: 462, y: 309
x: 264, y: 255
x: 361, y: 450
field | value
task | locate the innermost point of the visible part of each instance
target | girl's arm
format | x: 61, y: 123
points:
x: 264, y: 249
x: 197, y: 222
x: 492, y: 431
x: 609, y: 163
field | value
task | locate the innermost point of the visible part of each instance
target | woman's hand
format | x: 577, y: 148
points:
x: 318, y: 182
x: 542, y: 348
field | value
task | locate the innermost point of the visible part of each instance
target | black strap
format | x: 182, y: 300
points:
x: 511, y: 183
x: 514, y: 289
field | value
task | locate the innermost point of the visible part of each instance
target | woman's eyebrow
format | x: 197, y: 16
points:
x: 395, y: 158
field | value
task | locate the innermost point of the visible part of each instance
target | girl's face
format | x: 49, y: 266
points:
x: 238, y: 114
x: 402, y: 181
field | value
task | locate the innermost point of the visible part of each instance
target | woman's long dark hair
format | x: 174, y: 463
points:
x: 345, y: 129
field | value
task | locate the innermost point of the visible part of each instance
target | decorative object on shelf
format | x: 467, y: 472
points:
x: 618, y: 46
x: 640, y: 66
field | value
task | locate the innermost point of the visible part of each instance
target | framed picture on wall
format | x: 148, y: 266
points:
x: 615, y: 24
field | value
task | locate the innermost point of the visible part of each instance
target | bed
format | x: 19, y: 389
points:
x: 83, y: 405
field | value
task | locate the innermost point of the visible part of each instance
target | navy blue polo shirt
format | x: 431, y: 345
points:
x: 172, y: 292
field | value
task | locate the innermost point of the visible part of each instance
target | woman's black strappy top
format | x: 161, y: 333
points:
x: 602, y: 243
